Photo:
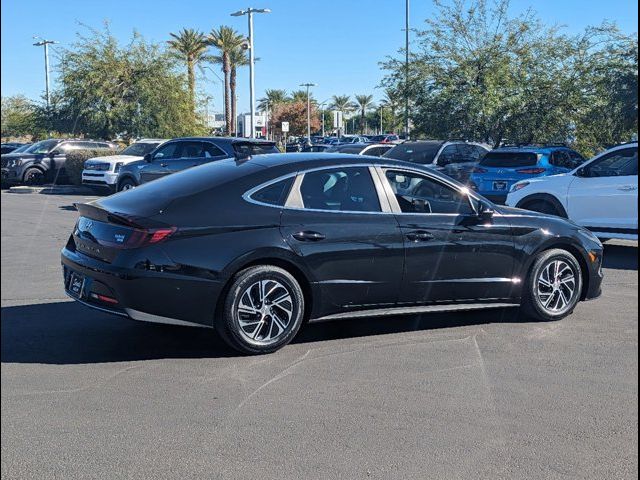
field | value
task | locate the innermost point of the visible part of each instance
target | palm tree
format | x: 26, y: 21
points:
x: 272, y: 98
x: 342, y: 103
x: 364, y: 103
x: 226, y: 40
x: 191, y: 46
x: 392, y: 101
x: 301, y: 96
x: 237, y: 58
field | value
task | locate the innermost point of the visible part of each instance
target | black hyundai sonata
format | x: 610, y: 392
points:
x: 256, y: 247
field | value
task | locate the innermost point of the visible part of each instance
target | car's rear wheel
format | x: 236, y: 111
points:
x: 33, y: 176
x: 553, y: 287
x: 126, y: 184
x: 262, y: 311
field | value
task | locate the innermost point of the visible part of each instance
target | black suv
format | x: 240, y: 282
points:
x: 44, y: 161
x: 183, y: 153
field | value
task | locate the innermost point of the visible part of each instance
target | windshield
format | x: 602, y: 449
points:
x: 21, y: 148
x: 423, y: 153
x: 139, y: 149
x: 45, y: 146
x: 509, y: 159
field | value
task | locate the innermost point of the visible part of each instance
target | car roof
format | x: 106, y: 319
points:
x: 532, y: 148
x: 223, y: 140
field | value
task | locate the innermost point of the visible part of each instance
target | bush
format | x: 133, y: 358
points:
x: 75, y: 162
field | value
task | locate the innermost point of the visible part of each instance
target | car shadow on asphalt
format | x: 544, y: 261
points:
x: 621, y: 257
x: 63, y: 333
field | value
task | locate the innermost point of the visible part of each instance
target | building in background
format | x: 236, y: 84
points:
x: 259, y: 122
x: 215, y: 121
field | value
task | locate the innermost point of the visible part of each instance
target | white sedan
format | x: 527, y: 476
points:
x: 601, y: 194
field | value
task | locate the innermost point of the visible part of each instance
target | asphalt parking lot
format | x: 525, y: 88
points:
x: 464, y: 395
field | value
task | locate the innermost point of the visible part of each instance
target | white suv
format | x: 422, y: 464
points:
x: 103, y: 171
x: 601, y: 194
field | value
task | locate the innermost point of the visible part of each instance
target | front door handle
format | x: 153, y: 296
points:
x: 163, y: 164
x: 628, y: 188
x: 420, y: 236
x: 308, y: 236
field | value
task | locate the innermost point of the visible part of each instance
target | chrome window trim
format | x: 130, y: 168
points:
x: 247, y: 195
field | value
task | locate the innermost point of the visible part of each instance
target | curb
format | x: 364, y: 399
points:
x: 53, y: 190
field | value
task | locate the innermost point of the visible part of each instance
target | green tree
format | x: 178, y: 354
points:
x: 364, y: 103
x: 272, y: 98
x: 301, y: 96
x: 296, y: 114
x: 107, y: 90
x: 341, y: 103
x: 226, y: 40
x: 19, y: 116
x: 190, y: 46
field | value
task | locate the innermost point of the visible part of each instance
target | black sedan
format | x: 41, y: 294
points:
x: 255, y: 247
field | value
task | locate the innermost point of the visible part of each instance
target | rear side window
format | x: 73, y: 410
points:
x: 509, y: 159
x: 211, y: 150
x: 274, y: 194
x: 340, y: 189
x: 250, y: 149
x: 561, y: 158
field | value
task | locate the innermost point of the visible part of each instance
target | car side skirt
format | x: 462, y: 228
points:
x: 409, y: 310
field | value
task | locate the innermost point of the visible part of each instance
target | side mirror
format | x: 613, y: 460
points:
x: 147, y: 158
x: 53, y: 153
x: 582, y: 172
x: 485, y: 213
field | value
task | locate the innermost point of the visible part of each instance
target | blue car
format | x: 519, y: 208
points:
x: 501, y: 168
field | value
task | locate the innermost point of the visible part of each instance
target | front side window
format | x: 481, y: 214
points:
x: 417, y: 193
x: 561, y: 158
x: 167, y: 151
x: 340, y: 189
x: 620, y: 163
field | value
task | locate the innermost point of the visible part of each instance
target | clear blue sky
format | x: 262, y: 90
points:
x: 336, y: 44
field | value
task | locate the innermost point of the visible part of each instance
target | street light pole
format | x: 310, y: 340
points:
x: 45, y: 43
x: 252, y: 100
x: 308, y: 85
x: 406, y: 71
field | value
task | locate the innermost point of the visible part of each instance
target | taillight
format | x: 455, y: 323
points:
x: 479, y: 170
x: 159, y: 234
x: 140, y: 238
x: 531, y: 171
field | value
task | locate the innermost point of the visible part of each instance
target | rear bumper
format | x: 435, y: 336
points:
x: 141, y: 294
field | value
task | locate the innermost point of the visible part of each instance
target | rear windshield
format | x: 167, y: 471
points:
x: 414, y: 152
x: 509, y: 159
x: 355, y: 150
x: 250, y: 149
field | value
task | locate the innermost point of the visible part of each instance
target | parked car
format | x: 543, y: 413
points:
x: 44, y: 161
x: 316, y: 148
x: 453, y: 158
x: 318, y: 237
x: 183, y: 153
x: 102, y: 172
x: 601, y: 195
x: 372, y: 149
x: 10, y: 147
x: 501, y: 168
x: 348, y: 139
x: 385, y: 138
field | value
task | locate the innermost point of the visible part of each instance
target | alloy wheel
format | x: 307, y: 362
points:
x: 556, y: 286
x: 264, y: 311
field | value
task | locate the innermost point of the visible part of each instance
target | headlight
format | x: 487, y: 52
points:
x: 15, y: 162
x: 518, y: 186
x: 588, y: 234
x: 116, y: 169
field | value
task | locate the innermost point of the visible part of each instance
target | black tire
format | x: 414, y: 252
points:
x: 243, y: 289
x: 33, y: 176
x: 543, y: 206
x: 533, y: 303
x: 126, y: 184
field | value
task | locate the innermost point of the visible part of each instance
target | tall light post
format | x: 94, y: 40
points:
x: 308, y: 85
x: 45, y: 43
x: 252, y: 98
x: 406, y: 70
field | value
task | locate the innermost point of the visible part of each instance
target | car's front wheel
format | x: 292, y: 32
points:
x: 553, y: 287
x: 262, y: 311
x: 126, y: 184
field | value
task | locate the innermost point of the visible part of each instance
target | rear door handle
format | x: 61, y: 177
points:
x: 308, y: 236
x: 628, y: 188
x: 420, y: 236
